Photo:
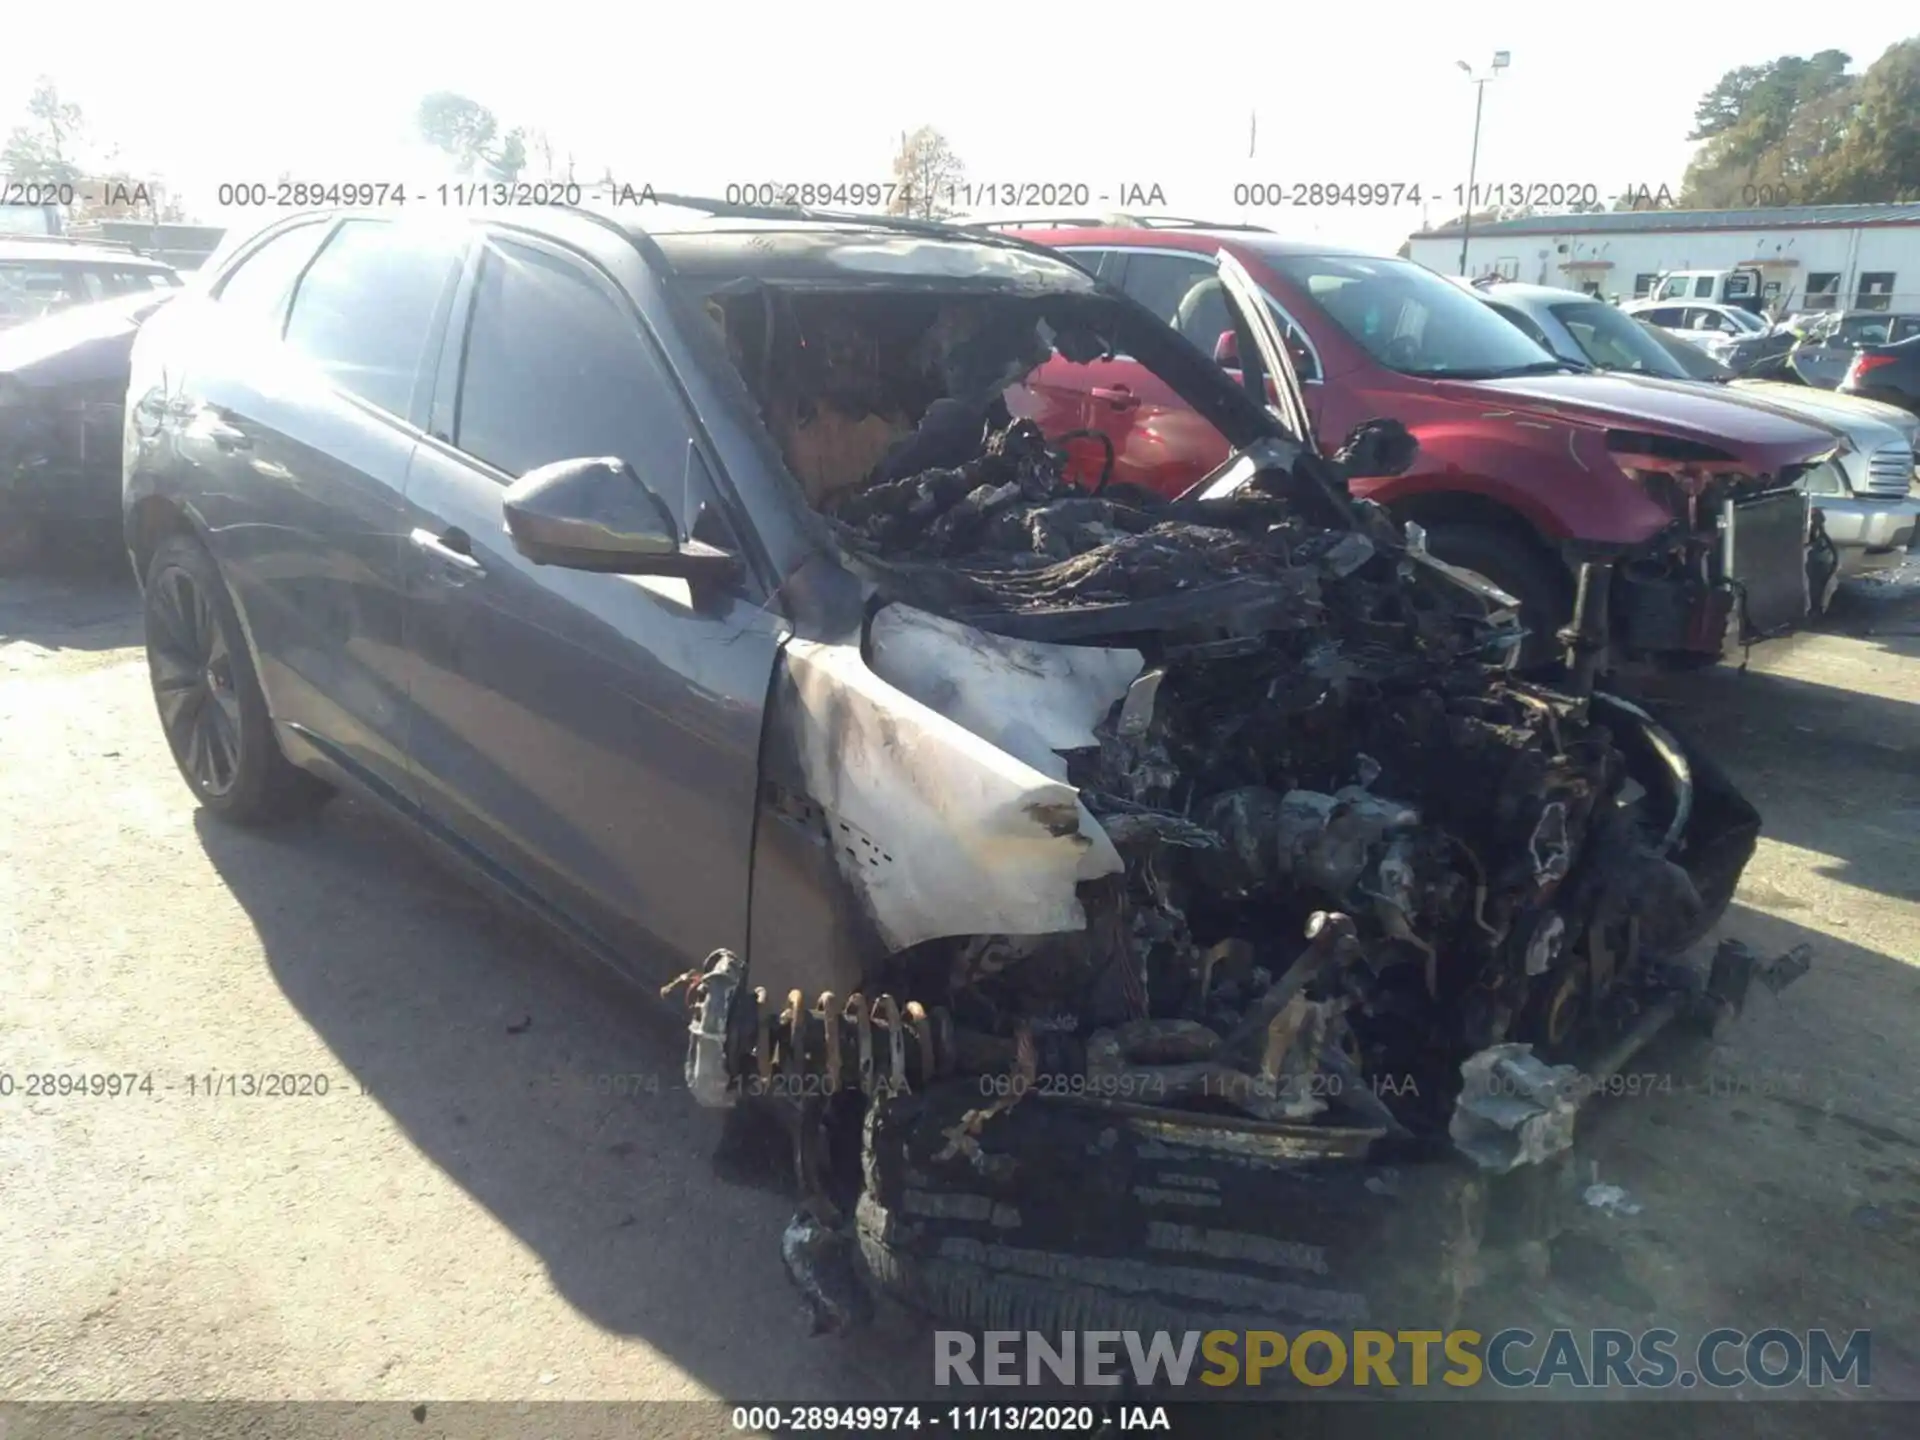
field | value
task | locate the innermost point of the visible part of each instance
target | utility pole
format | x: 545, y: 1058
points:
x: 1473, y: 162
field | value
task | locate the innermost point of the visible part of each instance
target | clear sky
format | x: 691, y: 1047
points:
x: 696, y: 96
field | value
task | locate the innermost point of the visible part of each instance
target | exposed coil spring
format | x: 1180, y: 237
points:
x: 877, y: 1047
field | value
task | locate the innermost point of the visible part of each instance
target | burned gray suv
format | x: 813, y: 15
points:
x: 1125, y: 907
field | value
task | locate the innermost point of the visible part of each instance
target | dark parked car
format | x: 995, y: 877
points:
x: 698, y: 588
x: 47, y: 274
x: 1826, y: 351
x: 1889, y: 373
x: 63, y: 391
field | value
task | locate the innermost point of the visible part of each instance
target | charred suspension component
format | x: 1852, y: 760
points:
x: 874, y: 1045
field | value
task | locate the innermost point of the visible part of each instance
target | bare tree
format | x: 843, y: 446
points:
x: 470, y: 133
x: 926, y: 173
x: 544, y: 158
x: 45, y: 149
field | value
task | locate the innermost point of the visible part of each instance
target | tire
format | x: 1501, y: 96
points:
x: 1518, y: 566
x: 208, y: 694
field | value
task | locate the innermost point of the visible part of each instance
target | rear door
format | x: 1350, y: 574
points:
x: 1158, y: 442
x: 306, y: 403
x: 592, y: 740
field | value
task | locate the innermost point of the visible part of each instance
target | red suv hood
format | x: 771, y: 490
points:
x: 1763, y: 438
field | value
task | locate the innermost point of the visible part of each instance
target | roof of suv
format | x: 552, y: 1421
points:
x: 709, y: 238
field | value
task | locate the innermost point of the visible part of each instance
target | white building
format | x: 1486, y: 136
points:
x: 1811, y: 257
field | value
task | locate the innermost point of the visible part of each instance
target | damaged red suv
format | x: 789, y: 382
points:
x: 1527, y: 465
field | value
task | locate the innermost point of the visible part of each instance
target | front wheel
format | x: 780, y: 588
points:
x: 211, y: 706
x: 1518, y: 566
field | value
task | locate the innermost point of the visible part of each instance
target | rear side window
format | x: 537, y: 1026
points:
x: 1867, y: 329
x: 260, y: 285
x: 557, y: 369
x: 364, y: 311
x: 135, y: 282
x: 1162, y: 282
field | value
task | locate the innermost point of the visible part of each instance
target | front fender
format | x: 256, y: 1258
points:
x: 1558, y: 478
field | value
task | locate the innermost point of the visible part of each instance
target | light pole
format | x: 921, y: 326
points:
x: 1473, y: 163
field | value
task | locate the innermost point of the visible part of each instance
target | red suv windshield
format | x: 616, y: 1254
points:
x: 1409, y: 319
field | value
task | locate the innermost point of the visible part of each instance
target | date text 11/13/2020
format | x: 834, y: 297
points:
x: 464, y: 194
x: 1314, y: 194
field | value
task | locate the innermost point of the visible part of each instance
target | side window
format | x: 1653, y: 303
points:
x: 1161, y: 282
x: 95, y: 284
x: 1703, y: 287
x: 1866, y: 329
x: 1304, y: 365
x: 365, y: 308
x: 1906, y: 327
x: 1666, y: 315
x: 1102, y: 263
x: 557, y: 368
x: 260, y: 284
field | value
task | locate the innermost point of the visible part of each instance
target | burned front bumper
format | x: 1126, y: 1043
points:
x: 1071, y: 1212
x: 1062, y: 1182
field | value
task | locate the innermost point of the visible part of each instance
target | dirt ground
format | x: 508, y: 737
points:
x: 482, y: 1208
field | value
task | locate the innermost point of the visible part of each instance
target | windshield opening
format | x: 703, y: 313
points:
x: 1410, y: 320
x: 879, y: 384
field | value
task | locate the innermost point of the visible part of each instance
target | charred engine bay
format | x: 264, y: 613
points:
x: 1355, y: 852
x: 1351, y: 865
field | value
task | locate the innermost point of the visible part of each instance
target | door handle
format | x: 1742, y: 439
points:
x: 1118, y: 396
x: 452, y: 549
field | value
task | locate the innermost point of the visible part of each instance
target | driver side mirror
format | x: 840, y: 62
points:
x: 1226, y: 351
x: 596, y: 514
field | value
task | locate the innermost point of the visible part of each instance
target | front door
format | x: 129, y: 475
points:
x: 593, y: 740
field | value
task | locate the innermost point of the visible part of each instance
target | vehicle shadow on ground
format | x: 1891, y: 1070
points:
x: 1883, y: 608
x: 553, y: 1095
x: 86, y: 601
x: 1777, y: 1166
x: 1857, y: 811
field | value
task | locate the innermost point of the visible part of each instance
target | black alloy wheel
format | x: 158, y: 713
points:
x: 212, y: 709
x: 191, y: 662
